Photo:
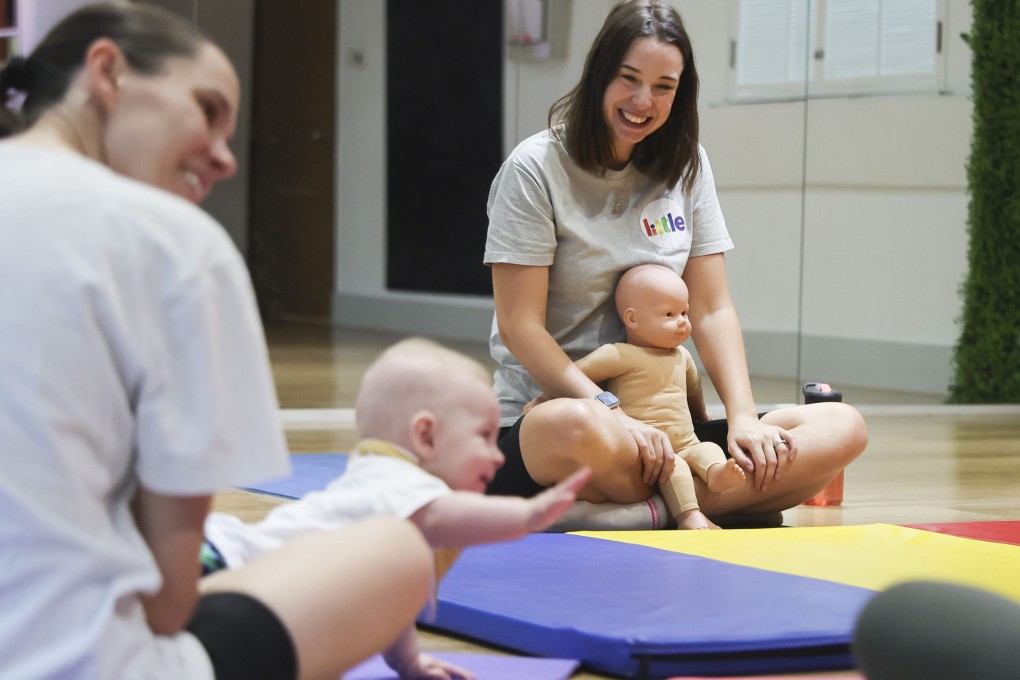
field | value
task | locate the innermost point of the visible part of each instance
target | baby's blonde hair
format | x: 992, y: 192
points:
x: 413, y: 375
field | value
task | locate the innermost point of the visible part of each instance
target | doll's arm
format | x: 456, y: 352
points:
x: 604, y: 363
x: 464, y: 518
x: 695, y: 395
x: 598, y: 366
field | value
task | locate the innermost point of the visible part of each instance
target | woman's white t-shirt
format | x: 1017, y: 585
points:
x: 131, y: 353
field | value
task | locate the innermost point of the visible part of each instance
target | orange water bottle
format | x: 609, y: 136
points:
x: 832, y: 494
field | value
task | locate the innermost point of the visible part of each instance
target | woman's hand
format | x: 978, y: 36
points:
x: 654, y: 449
x: 762, y: 450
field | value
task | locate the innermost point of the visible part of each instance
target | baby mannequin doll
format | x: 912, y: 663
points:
x: 657, y: 382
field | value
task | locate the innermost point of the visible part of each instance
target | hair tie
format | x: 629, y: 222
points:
x: 15, y: 75
x: 14, y: 83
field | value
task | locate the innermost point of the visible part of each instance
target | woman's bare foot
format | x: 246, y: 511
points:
x: 722, y: 476
x: 694, y: 519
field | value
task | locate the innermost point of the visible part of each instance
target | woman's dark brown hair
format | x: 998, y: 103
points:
x: 146, y: 35
x: 670, y: 154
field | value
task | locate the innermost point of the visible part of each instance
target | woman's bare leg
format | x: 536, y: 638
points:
x: 343, y: 595
x: 560, y: 435
x: 829, y: 437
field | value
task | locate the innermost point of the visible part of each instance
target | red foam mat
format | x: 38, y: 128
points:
x: 842, y: 676
x: 996, y: 532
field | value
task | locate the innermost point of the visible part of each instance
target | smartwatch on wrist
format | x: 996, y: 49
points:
x: 609, y: 399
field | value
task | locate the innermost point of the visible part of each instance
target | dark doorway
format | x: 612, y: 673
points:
x: 292, y: 158
x: 444, y: 141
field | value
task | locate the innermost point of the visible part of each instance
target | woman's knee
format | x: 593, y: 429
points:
x: 574, y: 432
x: 574, y: 425
x: 835, y: 430
x: 848, y: 427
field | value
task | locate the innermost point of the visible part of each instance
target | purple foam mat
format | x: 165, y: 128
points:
x: 484, y: 667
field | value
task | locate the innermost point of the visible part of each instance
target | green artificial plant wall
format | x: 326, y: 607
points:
x: 987, y: 353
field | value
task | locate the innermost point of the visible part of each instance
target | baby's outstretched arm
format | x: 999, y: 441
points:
x: 405, y: 658
x: 463, y: 518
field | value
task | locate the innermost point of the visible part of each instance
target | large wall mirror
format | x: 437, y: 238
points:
x: 838, y: 132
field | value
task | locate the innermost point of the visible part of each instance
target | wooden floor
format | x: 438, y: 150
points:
x: 924, y: 462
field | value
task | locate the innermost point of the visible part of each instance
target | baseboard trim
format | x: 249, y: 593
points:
x: 448, y: 317
x: 897, y: 366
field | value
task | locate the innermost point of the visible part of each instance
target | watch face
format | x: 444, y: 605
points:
x: 609, y: 399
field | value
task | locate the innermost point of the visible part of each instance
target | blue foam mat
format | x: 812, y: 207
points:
x: 625, y: 609
x: 640, y: 612
x: 309, y: 472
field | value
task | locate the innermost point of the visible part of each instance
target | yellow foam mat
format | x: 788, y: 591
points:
x: 873, y: 556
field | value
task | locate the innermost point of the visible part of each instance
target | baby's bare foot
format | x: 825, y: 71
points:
x: 694, y: 519
x: 722, y: 476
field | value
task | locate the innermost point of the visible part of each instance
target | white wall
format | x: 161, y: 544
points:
x: 361, y: 297
x: 36, y: 17
x: 881, y: 191
x: 229, y: 23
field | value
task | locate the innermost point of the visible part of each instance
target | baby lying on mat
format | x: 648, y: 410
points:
x: 429, y: 419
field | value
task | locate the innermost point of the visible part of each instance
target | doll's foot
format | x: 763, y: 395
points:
x: 722, y: 476
x: 694, y: 519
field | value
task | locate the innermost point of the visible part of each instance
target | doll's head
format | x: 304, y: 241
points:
x: 652, y: 303
x: 439, y: 405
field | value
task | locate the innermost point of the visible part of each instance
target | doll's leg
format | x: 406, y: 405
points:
x: 708, y: 461
x: 682, y: 500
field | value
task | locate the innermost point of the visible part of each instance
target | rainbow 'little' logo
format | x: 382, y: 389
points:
x: 662, y: 223
x: 667, y: 224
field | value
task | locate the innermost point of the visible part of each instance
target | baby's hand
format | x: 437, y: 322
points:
x: 428, y: 667
x: 551, y: 504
